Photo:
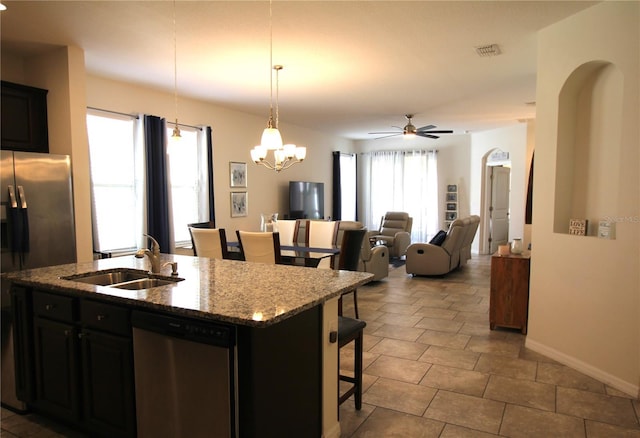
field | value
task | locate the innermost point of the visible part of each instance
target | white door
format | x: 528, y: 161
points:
x: 499, y: 207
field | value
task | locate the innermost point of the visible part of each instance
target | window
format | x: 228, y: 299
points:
x: 116, y: 182
x: 117, y: 158
x: 189, y: 182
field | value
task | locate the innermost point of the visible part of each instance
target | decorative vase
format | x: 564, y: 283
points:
x: 516, y: 246
x: 268, y: 221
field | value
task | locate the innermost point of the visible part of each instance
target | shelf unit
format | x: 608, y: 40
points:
x: 451, y: 205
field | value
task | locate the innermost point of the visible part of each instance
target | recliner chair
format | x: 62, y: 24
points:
x: 395, y: 232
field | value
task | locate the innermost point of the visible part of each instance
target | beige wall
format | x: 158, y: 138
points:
x: 584, y: 300
x: 234, y: 134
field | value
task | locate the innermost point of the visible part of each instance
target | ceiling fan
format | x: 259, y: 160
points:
x: 409, y: 129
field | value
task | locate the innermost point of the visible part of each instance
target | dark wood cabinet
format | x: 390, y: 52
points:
x: 509, y: 299
x: 56, y: 350
x: 24, y: 118
x: 82, y: 362
x: 107, y: 370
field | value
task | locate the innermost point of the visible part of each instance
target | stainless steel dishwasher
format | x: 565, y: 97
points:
x: 184, y: 377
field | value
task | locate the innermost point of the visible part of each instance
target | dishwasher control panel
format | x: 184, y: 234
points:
x: 185, y: 328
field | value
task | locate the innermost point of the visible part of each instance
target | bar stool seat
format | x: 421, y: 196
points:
x: 350, y: 329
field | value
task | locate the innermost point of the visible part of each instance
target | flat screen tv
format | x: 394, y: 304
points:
x: 306, y: 200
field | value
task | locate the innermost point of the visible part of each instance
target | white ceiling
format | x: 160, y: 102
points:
x: 350, y: 67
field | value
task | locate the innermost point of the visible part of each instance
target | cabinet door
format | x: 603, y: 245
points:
x: 107, y: 370
x: 56, y: 359
x: 24, y: 118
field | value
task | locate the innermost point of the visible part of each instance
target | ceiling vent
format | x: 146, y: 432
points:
x: 488, y: 50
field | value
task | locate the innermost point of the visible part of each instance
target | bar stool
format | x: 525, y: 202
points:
x: 350, y: 329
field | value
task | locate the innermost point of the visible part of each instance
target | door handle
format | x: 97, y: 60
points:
x: 23, y: 198
x: 12, y: 197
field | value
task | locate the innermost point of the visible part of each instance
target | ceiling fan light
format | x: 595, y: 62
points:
x: 271, y: 139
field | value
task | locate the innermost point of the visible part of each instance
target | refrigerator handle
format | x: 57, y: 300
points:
x: 12, y: 197
x: 23, y: 199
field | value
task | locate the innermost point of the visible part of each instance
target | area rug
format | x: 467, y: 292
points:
x: 397, y: 262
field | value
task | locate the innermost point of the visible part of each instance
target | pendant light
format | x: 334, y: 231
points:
x: 284, y: 156
x: 175, y: 136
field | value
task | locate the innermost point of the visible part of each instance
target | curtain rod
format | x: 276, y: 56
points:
x: 402, y: 151
x: 187, y: 126
x: 133, y: 116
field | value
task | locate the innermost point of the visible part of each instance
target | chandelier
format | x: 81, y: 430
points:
x: 284, y: 156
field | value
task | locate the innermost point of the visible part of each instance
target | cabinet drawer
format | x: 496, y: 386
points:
x: 53, y: 306
x: 105, y: 317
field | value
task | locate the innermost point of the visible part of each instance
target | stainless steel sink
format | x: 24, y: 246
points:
x: 145, y: 283
x: 124, y: 278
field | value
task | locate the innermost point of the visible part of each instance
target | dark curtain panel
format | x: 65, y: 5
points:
x: 337, y: 190
x: 212, y: 207
x: 528, y: 214
x: 157, y: 181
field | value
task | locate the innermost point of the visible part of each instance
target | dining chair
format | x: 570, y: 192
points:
x: 209, y: 242
x: 260, y: 247
x: 288, y: 230
x: 322, y: 234
x: 350, y: 248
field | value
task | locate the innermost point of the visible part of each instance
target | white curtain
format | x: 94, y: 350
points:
x: 402, y: 181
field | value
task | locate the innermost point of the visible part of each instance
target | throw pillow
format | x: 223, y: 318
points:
x: 438, y: 238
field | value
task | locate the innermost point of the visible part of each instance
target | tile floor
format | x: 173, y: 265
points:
x: 434, y: 369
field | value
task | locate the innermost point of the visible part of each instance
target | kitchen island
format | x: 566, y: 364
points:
x: 279, y: 320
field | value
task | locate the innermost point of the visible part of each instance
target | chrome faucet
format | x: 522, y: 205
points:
x: 154, y: 254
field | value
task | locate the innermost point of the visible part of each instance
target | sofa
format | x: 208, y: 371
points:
x: 446, y: 252
x: 394, y: 232
x: 374, y: 260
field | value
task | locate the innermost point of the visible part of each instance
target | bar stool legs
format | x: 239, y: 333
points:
x: 350, y: 329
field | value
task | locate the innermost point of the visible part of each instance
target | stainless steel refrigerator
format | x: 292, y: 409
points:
x: 37, y: 229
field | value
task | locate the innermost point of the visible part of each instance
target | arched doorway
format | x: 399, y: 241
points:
x: 494, y: 218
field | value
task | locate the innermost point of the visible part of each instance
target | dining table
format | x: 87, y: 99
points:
x: 293, y: 254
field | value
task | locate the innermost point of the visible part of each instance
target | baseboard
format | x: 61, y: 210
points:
x: 591, y: 371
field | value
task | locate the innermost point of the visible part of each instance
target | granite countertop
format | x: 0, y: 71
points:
x: 242, y: 293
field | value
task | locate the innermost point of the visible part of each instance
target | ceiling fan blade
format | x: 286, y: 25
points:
x: 387, y: 132
x: 426, y: 134
x: 426, y: 128
x: 437, y: 132
x: 387, y: 136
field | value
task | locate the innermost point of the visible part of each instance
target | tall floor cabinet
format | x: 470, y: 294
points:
x: 509, y: 299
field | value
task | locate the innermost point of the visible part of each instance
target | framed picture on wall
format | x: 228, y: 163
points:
x: 452, y: 197
x: 451, y: 215
x: 238, y: 204
x: 452, y: 188
x: 451, y: 206
x: 238, y: 174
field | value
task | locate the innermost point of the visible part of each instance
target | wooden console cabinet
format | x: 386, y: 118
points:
x: 509, y: 301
